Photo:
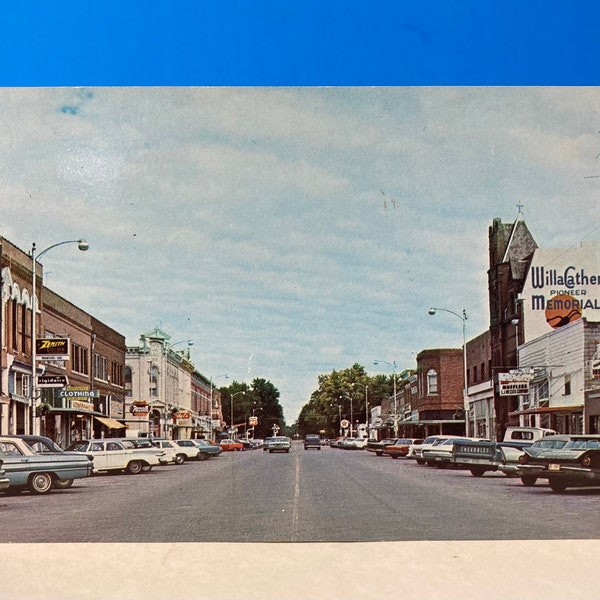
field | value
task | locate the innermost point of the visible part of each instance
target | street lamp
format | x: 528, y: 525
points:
x: 349, y: 396
x: 395, y: 417
x: 83, y: 246
x: 232, y: 397
x: 339, y: 407
x: 211, y: 398
x: 188, y: 342
x: 366, y: 388
x: 463, y: 318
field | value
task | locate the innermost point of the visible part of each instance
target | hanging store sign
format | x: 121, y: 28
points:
x: 139, y: 409
x: 79, y: 405
x: 79, y: 394
x: 514, y: 383
x: 52, y: 381
x: 52, y: 348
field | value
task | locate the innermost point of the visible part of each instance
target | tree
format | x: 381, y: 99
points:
x: 342, y: 395
x: 260, y: 399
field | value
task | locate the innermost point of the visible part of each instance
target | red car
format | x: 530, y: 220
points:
x: 230, y: 445
x: 400, y: 447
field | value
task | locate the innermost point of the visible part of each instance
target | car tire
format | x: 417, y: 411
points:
x: 63, y: 484
x: 477, y: 472
x: 420, y: 461
x: 378, y: 453
x: 135, y: 467
x: 558, y: 487
x: 528, y: 480
x: 393, y: 456
x: 201, y: 456
x: 40, y: 483
x: 179, y: 459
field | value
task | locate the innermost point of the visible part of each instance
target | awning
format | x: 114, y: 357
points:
x: 110, y: 423
x: 547, y: 409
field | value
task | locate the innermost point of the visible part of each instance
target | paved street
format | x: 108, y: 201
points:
x: 327, y: 495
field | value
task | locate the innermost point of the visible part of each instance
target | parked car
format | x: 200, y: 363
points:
x: 207, y: 449
x: 266, y: 442
x: 173, y: 454
x: 379, y: 446
x: 312, y: 440
x: 26, y: 469
x: 416, y: 450
x: 44, y: 445
x: 356, y: 443
x: 400, y: 447
x: 4, y: 481
x: 280, y: 444
x: 576, y: 464
x: 229, y: 445
x: 189, y: 449
x: 440, y: 453
x: 111, y: 455
x: 145, y: 444
x: 511, y: 463
x: 246, y: 444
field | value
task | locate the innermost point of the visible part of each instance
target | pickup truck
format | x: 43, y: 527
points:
x: 480, y: 457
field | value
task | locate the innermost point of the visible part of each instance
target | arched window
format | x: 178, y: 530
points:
x: 432, y: 382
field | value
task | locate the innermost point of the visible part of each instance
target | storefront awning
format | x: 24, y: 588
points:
x: 110, y: 423
x: 547, y: 409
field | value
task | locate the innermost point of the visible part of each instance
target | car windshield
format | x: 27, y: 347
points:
x: 78, y: 447
x: 279, y: 439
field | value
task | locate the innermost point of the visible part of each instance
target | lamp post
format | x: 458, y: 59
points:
x: 395, y: 416
x: 254, y: 421
x: 188, y: 342
x: 211, y: 400
x: 339, y: 407
x: 83, y: 246
x: 463, y: 318
x: 349, y: 396
x: 231, y: 399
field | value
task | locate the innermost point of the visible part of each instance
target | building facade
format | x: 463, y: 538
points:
x: 80, y: 394
x: 166, y: 395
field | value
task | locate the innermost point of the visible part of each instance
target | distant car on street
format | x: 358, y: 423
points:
x: 229, y: 445
x: 379, y: 446
x: 280, y: 444
x: 207, y: 449
x: 312, y: 440
x: 400, y: 447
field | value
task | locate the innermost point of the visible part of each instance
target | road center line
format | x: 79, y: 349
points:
x: 294, y: 533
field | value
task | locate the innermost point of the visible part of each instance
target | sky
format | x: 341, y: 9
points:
x: 292, y: 231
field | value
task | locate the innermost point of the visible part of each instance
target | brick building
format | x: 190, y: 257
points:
x: 91, y: 403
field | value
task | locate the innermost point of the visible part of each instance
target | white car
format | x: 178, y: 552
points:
x: 111, y: 455
x: 173, y: 454
x: 280, y: 444
x: 355, y: 443
x: 189, y: 449
x: 416, y: 450
x: 439, y: 454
